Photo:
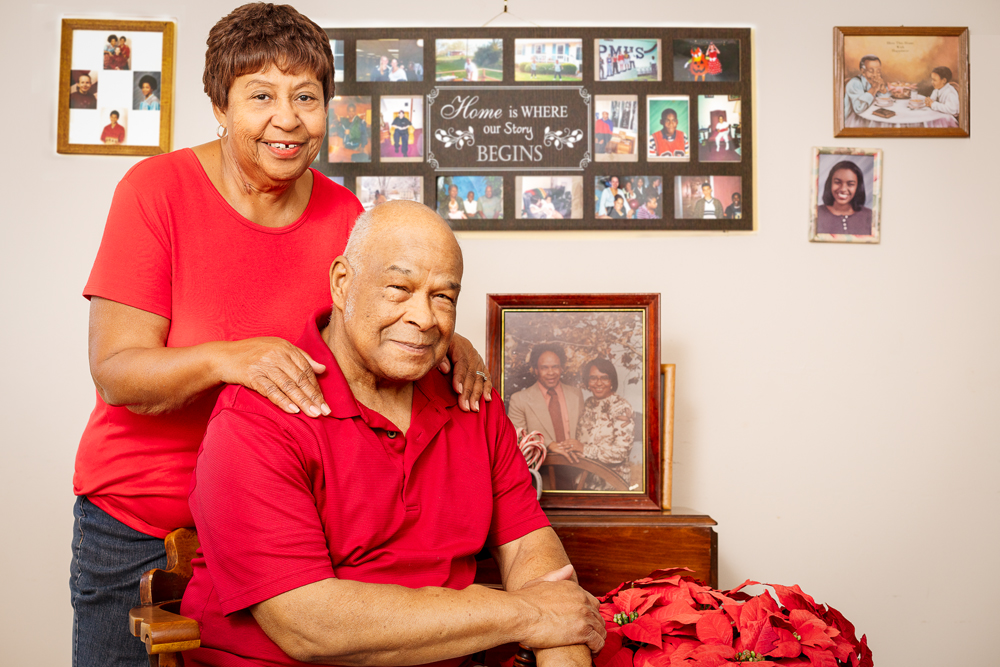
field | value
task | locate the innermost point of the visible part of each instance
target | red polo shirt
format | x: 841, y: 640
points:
x: 281, y: 501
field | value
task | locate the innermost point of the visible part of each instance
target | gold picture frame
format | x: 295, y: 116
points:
x: 907, y: 58
x: 132, y: 112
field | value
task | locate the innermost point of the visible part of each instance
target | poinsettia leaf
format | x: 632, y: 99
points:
x: 613, y: 592
x: 631, y: 599
x: 608, y: 611
x: 842, y: 649
x: 749, y: 633
x: 734, y: 611
x: 819, y: 657
x: 786, y: 646
x: 711, y: 656
x: 812, y: 630
x: 665, y: 573
x: 833, y: 617
x: 792, y: 597
x: 612, y: 645
x: 644, y: 629
x: 767, y: 639
x: 622, y: 658
x: 715, y: 628
x: 648, y: 656
x: 759, y: 607
x: 681, y: 612
x: 748, y: 582
x: 865, y: 652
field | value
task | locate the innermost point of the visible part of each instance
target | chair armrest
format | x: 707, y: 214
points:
x: 162, y: 629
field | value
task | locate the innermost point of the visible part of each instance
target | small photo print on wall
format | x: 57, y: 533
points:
x: 708, y: 197
x: 349, y: 129
x: 468, y: 60
x: 719, y: 129
x: 548, y: 59
x: 847, y: 195
x: 146, y: 90
x: 117, y: 53
x: 627, y: 60
x: 668, y: 121
x: 337, y: 46
x: 628, y: 197
x: 401, y: 129
x: 390, y: 60
x: 375, y: 190
x: 470, y: 197
x: 706, y: 60
x: 616, y: 128
x: 114, y: 132
x: 549, y: 197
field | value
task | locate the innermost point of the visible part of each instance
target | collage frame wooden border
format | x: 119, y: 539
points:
x: 743, y: 87
x: 166, y: 93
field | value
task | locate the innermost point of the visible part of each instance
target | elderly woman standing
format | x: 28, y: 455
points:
x: 212, y: 259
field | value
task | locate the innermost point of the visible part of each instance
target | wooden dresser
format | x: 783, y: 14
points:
x: 608, y: 547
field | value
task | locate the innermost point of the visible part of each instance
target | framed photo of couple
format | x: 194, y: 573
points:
x: 115, y: 87
x: 901, y: 82
x: 581, y: 373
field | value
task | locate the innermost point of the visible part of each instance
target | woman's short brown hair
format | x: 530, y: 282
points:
x: 258, y: 35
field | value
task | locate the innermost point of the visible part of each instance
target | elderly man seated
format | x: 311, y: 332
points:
x: 351, y: 539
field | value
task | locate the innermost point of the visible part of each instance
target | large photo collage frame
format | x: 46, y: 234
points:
x: 632, y: 128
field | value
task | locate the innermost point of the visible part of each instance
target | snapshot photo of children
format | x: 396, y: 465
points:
x: 117, y: 53
x: 719, y: 128
x: 708, y: 197
x: 548, y: 59
x: 83, y: 89
x: 349, y: 123
x: 616, y: 128
x: 337, y: 46
x: 145, y: 93
x: 114, y: 130
x: 911, y: 82
x: 470, y: 197
x: 549, y: 197
x: 401, y: 129
x: 390, y: 60
x: 706, y: 59
x: 627, y: 60
x: 846, y: 201
x: 668, y: 122
x: 468, y: 60
x: 375, y: 190
x: 593, y: 360
x: 628, y: 197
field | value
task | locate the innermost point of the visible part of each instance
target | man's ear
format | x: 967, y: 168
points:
x: 341, y: 275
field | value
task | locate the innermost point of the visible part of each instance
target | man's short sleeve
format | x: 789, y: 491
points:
x: 133, y: 264
x: 516, y: 511
x: 253, y: 502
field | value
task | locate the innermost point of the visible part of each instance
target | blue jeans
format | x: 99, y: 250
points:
x: 108, y: 560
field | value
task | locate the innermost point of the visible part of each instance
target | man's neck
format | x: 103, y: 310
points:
x: 393, y: 400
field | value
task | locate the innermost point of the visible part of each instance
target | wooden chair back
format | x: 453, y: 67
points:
x: 158, y: 622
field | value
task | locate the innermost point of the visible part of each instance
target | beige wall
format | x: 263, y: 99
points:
x: 836, y: 405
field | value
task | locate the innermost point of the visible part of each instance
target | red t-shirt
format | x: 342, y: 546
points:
x: 174, y: 247
x: 281, y: 501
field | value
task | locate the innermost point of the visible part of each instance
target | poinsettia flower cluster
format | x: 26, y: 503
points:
x: 669, y: 619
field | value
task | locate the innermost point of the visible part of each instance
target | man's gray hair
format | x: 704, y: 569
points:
x: 358, y: 239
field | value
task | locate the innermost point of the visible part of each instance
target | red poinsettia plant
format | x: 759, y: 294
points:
x: 669, y: 619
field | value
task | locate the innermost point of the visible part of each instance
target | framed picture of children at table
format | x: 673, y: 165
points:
x: 115, y: 87
x: 580, y: 378
x: 901, y: 82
